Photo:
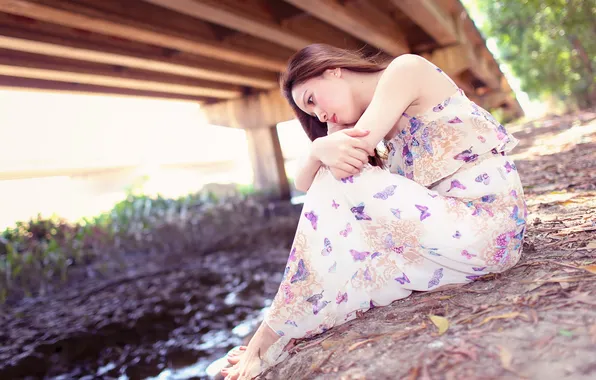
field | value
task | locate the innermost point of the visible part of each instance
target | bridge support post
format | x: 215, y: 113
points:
x: 267, y: 161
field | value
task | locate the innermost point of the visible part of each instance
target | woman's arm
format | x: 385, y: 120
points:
x: 398, y: 88
x: 306, y: 172
x: 342, y: 151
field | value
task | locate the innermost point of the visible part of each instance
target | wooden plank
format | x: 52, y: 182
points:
x: 453, y: 60
x: 133, y: 30
x: 494, y: 99
x: 72, y: 49
x: 317, y: 30
x: 40, y: 67
x: 431, y: 18
x: 480, y: 69
x: 349, y: 18
x: 253, y: 111
x: 230, y: 16
x: 12, y: 83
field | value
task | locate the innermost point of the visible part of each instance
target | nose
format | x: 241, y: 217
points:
x: 322, y: 116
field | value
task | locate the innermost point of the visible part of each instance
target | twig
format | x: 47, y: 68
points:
x: 548, y: 262
x: 565, y: 279
x: 299, y: 348
x: 469, y: 318
x: 318, y: 367
x: 559, y: 242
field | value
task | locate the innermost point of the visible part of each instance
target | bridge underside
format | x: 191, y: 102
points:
x: 227, y: 54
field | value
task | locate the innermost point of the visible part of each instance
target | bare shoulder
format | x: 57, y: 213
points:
x: 410, y: 66
x: 403, y: 74
x: 418, y: 79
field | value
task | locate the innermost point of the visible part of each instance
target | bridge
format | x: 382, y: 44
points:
x: 227, y: 54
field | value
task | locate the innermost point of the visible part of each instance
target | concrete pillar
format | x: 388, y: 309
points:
x: 267, y: 161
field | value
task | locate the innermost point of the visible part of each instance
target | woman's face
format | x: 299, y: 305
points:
x: 328, y: 97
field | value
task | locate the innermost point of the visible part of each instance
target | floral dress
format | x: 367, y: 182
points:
x: 449, y: 210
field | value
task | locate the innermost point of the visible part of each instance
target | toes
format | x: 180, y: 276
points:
x: 228, y: 370
x: 234, y: 359
x: 235, y: 354
x: 236, y: 350
x: 232, y: 376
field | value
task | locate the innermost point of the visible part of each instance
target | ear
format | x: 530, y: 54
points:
x: 334, y: 72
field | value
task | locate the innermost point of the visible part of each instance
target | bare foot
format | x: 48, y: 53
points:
x: 235, y: 354
x: 248, y: 364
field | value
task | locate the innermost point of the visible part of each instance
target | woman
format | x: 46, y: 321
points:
x: 444, y: 204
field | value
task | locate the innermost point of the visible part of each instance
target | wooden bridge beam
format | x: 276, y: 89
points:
x: 258, y: 115
x: 431, y: 18
x: 79, y: 17
x: 359, y: 19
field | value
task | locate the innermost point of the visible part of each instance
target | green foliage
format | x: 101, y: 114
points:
x: 38, y: 251
x: 549, y: 45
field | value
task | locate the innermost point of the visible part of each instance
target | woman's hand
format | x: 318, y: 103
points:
x: 343, y: 152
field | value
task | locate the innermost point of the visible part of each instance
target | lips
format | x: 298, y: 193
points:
x: 334, y: 119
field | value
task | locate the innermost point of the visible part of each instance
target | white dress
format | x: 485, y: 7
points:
x: 449, y: 209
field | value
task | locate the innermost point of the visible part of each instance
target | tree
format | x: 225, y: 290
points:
x: 549, y: 45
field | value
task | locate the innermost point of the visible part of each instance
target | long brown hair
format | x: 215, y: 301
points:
x: 312, y: 61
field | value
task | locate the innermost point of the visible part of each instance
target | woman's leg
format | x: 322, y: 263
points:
x: 367, y: 241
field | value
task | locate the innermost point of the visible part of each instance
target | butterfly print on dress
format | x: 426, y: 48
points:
x: 327, y: 250
x: 341, y: 297
x: 415, y: 124
x: 333, y: 268
x: 317, y: 304
x: 345, y: 232
x: 423, y: 212
x: 301, y: 273
x: 359, y: 256
x: 390, y: 244
x: 466, y: 156
x: 456, y: 184
x: 467, y: 254
x: 313, y: 218
x: 426, y: 141
x: 386, y: 193
x: 358, y: 212
x: 483, y: 178
x: 403, y: 279
x: 436, y: 278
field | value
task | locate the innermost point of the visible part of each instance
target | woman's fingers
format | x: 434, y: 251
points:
x: 355, y: 163
x: 360, y: 155
x: 357, y: 143
x: 339, y: 173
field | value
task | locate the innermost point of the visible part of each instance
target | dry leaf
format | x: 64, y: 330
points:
x: 329, y: 344
x: 441, y: 322
x: 358, y: 344
x: 593, y: 333
x: 514, y: 314
x: 591, y: 245
x: 506, y: 358
x: 584, y: 298
x: 590, y: 268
